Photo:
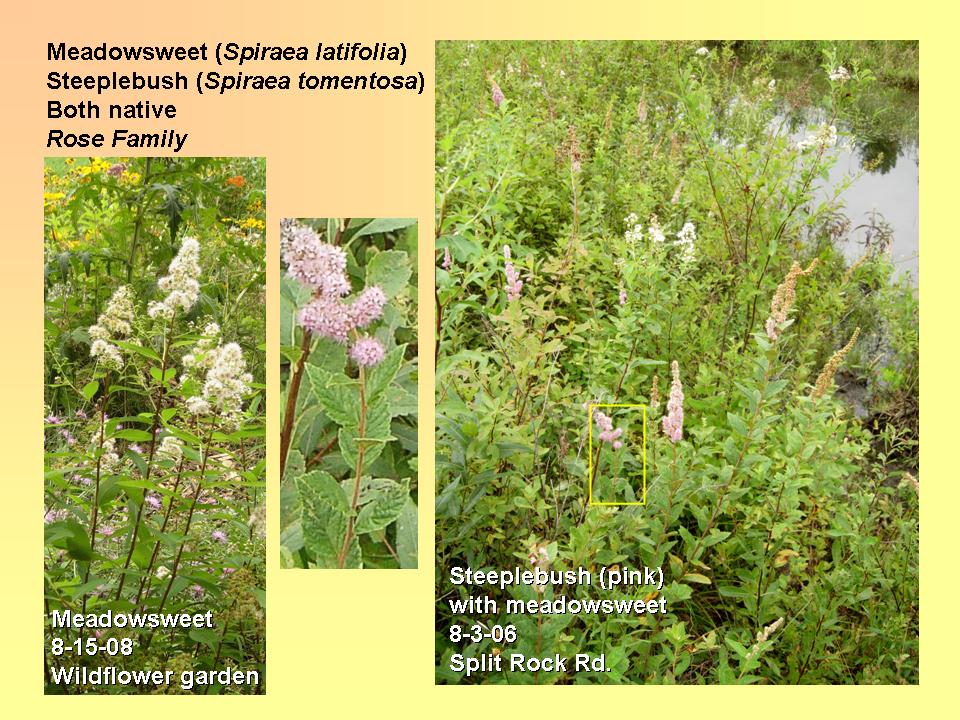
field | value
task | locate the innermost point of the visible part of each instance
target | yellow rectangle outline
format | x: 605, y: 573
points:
x: 590, y: 501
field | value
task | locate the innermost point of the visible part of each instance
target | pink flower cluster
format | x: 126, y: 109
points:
x: 673, y: 420
x: 322, y: 268
x: 314, y: 263
x: 367, y: 351
x: 514, y: 283
x: 607, y: 432
x: 497, y: 94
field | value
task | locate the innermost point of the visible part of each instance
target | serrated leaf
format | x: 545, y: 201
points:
x: 375, y: 435
x: 390, y: 271
x: 407, y: 535
x: 384, y: 506
x: 379, y: 377
x: 293, y: 296
x: 401, y: 401
x: 328, y: 355
x: 324, y: 516
x: 341, y: 403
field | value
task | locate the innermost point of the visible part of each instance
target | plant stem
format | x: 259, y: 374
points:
x: 138, y: 222
x: 743, y: 452
x: 147, y: 578
x: 96, y: 491
x: 761, y: 588
x: 150, y: 457
x: 292, y: 392
x: 361, y: 448
x: 186, y: 529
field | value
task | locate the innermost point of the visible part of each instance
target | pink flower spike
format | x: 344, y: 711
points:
x: 673, y: 420
x: 497, y: 95
x: 514, y: 283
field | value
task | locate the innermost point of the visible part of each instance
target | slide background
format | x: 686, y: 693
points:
x: 358, y: 643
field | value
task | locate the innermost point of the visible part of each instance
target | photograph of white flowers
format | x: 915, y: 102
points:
x: 348, y: 442
x: 154, y: 419
x: 726, y: 234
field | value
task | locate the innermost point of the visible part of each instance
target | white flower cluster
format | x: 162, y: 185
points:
x: 825, y: 137
x: 655, y: 232
x: 634, y: 231
x: 226, y: 382
x: 113, y: 324
x: 109, y: 459
x: 703, y: 51
x: 171, y: 448
x: 686, y: 239
x: 202, y: 357
x: 180, y: 283
x: 839, y: 74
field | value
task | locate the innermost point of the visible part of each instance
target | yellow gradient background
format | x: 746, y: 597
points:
x: 360, y: 643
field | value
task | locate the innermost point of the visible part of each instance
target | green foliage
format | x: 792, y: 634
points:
x: 348, y: 494
x: 150, y: 506
x: 776, y: 502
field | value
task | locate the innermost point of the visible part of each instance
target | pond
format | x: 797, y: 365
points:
x: 880, y: 150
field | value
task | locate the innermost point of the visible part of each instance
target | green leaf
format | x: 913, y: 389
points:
x: 208, y: 637
x: 167, y: 376
x: 737, y: 424
x: 341, y: 403
x: 293, y: 296
x: 78, y: 544
x: 133, y: 435
x: 90, y: 389
x: 384, y: 507
x: 407, y: 535
x: 324, y: 516
x: 379, y: 377
x: 138, y: 349
x: 390, y: 270
x: 286, y: 558
x: 382, y: 225
x: 349, y: 445
x: 328, y: 355
x: 376, y: 435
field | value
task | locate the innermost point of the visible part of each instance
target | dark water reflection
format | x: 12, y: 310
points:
x: 892, y: 191
x: 883, y: 156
